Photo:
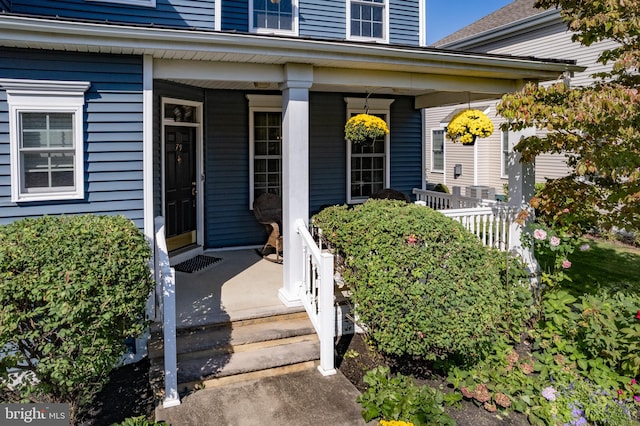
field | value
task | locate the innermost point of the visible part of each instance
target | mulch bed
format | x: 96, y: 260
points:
x: 360, y: 358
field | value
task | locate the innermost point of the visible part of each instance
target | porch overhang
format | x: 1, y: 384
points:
x: 433, y: 76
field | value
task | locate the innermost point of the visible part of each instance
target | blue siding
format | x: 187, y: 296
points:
x: 404, y: 22
x: 112, y: 131
x: 235, y: 15
x: 178, y: 13
x: 327, y: 151
x: 5, y: 5
x: 323, y: 18
x: 229, y: 220
x: 406, y: 145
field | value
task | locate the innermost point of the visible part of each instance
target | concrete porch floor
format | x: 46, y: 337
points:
x: 242, y: 285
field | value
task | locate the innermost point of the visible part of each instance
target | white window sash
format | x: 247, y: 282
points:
x: 504, y: 170
x: 40, y: 96
x: 433, y: 168
x: 260, y: 103
x: 372, y: 106
x: 262, y: 30
x: 385, y: 23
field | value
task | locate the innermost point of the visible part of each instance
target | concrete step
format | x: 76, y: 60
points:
x: 239, y: 350
x: 232, y: 336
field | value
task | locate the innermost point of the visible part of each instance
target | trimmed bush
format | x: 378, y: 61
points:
x: 422, y: 285
x: 72, y: 289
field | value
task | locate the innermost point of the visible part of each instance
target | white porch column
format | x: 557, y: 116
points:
x: 298, y: 78
x: 522, y: 178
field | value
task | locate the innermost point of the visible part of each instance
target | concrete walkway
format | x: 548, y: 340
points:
x: 302, y: 398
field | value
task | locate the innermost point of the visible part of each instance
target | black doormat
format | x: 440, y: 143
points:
x: 196, y: 264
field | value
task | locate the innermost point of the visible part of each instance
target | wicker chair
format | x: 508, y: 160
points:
x: 268, y: 211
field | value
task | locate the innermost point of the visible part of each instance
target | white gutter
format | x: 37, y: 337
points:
x: 146, y: 40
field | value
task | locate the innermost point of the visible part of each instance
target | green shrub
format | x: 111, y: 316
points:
x: 399, y: 398
x: 422, y: 285
x: 72, y: 288
x: 138, y: 421
x: 441, y: 187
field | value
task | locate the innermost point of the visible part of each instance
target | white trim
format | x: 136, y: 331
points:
x: 385, y: 24
x: 374, y: 106
x: 294, y: 22
x: 143, y: 3
x: 217, y: 21
x: 422, y: 13
x: 259, y: 103
x: 147, y: 145
x: 46, y: 96
x: 504, y: 165
x: 199, y: 160
x: 101, y: 37
x: 444, y: 144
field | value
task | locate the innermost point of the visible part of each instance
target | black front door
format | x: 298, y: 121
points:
x: 180, y: 186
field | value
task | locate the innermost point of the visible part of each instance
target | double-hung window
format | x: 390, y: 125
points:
x: 506, y: 151
x: 367, y: 164
x: 368, y: 20
x: 265, y: 134
x: 437, y: 150
x: 275, y: 17
x: 46, y: 139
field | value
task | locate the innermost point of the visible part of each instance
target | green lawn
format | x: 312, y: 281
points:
x: 606, y: 264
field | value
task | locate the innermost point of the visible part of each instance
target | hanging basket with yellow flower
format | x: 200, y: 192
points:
x: 363, y: 128
x: 468, y: 125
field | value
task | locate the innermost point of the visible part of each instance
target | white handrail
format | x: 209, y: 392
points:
x: 492, y: 225
x: 166, y: 276
x: 318, y: 298
x: 443, y: 201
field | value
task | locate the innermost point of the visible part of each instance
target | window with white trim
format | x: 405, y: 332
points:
x: 46, y: 139
x: 437, y: 150
x: 271, y: 16
x: 265, y: 139
x: 367, y: 20
x: 367, y: 164
x: 146, y: 3
x: 506, y: 152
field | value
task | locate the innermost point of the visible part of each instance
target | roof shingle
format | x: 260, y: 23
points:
x: 515, y: 11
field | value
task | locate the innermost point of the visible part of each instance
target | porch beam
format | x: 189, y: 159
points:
x: 444, y: 98
x: 295, y: 175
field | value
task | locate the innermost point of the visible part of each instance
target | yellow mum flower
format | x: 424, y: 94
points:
x: 361, y: 127
x: 468, y: 125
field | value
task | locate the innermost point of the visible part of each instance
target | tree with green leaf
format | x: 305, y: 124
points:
x: 596, y: 127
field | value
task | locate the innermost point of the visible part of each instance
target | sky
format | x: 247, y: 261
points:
x: 447, y: 16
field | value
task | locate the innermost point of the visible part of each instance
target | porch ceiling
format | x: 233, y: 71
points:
x: 431, y: 74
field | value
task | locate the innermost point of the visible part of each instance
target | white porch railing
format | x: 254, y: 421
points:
x: 444, y: 201
x: 166, y: 282
x: 492, y: 225
x: 317, y: 297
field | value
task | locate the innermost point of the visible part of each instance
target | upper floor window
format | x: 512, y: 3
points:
x: 367, y: 164
x: 367, y: 20
x: 147, y: 3
x: 437, y: 150
x: 273, y: 16
x: 45, y: 135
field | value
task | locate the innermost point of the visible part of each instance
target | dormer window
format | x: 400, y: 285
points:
x: 274, y: 16
x: 368, y: 20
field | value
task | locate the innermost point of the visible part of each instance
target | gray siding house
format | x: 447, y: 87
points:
x: 516, y: 29
x: 190, y: 109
